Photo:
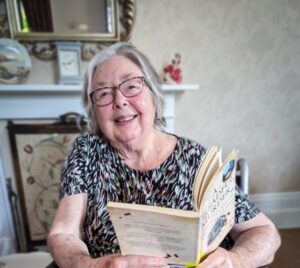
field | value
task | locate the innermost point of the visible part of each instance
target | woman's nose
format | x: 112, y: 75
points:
x: 119, y: 99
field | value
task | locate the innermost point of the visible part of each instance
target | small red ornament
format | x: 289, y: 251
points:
x: 172, y: 72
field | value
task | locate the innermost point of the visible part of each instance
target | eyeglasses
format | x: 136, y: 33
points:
x: 129, y: 88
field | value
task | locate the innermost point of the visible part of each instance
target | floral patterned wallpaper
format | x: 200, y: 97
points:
x: 245, y: 56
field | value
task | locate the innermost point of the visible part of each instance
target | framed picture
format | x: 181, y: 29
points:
x: 39, y: 151
x: 69, y: 63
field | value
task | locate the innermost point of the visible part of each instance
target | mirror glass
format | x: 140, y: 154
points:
x: 89, y: 20
x: 64, y: 16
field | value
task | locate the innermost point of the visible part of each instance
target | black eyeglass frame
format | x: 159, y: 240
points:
x: 143, y: 80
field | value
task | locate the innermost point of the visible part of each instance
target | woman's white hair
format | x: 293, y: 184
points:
x: 130, y: 52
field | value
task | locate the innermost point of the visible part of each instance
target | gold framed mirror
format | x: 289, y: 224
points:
x: 94, y: 23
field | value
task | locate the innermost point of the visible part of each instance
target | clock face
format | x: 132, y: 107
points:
x: 69, y: 63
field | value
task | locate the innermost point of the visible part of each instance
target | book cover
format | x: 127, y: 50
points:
x: 181, y: 236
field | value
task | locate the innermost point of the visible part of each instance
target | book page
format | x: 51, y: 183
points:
x: 218, y: 206
x: 155, y: 234
x: 211, y: 170
x: 210, y: 155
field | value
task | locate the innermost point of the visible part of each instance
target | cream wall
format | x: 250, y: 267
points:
x: 245, y: 56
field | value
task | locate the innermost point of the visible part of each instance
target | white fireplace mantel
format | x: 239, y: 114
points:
x: 39, y: 101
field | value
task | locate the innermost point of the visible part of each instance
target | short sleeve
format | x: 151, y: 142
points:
x: 244, y: 208
x: 73, y: 173
x: 244, y: 211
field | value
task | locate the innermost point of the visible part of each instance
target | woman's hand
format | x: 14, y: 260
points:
x: 131, y: 261
x: 256, y: 242
x: 220, y: 258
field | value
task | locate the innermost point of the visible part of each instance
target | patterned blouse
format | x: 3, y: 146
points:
x: 94, y: 167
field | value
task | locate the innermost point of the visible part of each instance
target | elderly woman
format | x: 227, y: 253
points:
x: 126, y: 157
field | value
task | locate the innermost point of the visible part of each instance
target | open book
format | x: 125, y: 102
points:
x: 181, y: 236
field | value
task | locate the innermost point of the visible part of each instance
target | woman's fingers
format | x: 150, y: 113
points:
x: 145, y: 261
x: 133, y: 261
x: 217, y: 259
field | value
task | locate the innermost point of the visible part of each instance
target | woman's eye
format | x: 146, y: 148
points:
x: 103, y: 93
x: 131, y: 87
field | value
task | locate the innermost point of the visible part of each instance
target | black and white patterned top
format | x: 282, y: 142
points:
x: 94, y: 167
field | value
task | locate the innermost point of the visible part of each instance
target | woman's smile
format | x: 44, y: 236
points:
x: 125, y: 119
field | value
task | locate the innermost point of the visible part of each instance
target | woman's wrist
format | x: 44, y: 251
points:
x: 84, y: 260
x: 236, y: 258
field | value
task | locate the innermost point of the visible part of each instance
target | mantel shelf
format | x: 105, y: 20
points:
x: 51, y: 100
x: 44, y: 88
x: 40, y: 88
